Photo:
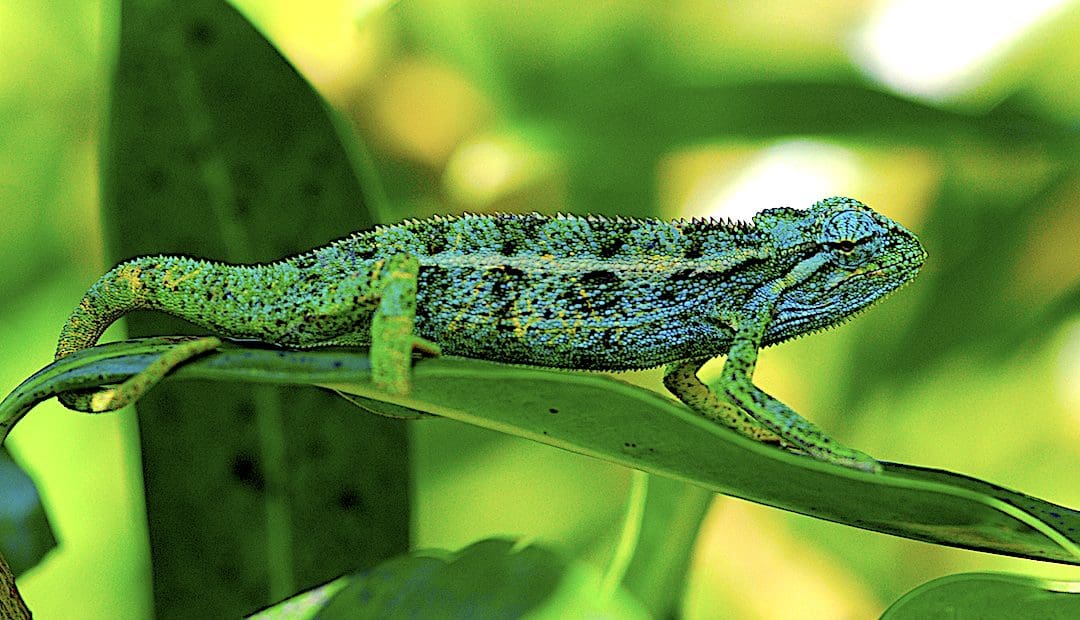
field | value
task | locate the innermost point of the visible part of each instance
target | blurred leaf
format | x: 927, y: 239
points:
x: 657, y: 574
x: 488, y: 579
x: 974, y: 244
x: 988, y: 596
x: 25, y: 535
x: 216, y: 147
x: 602, y: 417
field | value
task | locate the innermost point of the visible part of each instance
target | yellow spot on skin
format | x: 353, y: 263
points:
x: 132, y: 274
x: 100, y: 402
x: 168, y: 279
x: 519, y: 329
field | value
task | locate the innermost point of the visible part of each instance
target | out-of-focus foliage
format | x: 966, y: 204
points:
x: 988, y: 596
x: 273, y: 490
x: 681, y: 108
x: 25, y: 536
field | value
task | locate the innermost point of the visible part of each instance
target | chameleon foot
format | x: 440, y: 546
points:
x: 131, y: 390
x: 391, y: 362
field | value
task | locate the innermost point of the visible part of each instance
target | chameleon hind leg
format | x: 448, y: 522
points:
x: 132, y: 389
x: 393, y: 327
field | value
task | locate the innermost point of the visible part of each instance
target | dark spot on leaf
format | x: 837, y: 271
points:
x: 311, y: 190
x: 316, y: 448
x: 201, y: 33
x: 553, y: 410
x: 350, y: 499
x: 156, y: 178
x: 245, y: 469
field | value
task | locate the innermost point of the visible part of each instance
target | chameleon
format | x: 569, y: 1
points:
x: 561, y: 291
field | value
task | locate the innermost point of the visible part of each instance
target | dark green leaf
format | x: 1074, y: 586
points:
x: 602, y: 417
x: 216, y: 147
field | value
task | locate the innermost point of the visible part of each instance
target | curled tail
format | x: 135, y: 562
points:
x: 118, y: 292
x: 268, y: 302
x: 168, y: 283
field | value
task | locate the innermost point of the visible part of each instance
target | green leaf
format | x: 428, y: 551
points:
x: 606, y: 418
x: 988, y: 596
x: 25, y: 535
x: 489, y: 579
x: 216, y: 147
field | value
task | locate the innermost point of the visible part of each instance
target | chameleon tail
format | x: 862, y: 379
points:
x: 131, y: 285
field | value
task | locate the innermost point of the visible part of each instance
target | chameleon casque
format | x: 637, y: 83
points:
x: 571, y: 292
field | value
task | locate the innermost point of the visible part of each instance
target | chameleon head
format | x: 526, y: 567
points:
x: 845, y: 257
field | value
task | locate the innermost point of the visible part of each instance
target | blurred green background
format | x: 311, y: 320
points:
x: 964, y: 127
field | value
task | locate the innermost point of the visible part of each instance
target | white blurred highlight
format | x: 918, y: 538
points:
x: 937, y: 49
x: 795, y: 173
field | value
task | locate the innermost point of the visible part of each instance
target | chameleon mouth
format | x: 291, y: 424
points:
x: 829, y: 297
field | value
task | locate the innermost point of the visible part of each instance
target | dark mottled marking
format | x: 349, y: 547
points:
x: 367, y: 251
x: 509, y: 246
x: 610, y: 246
x: 531, y: 225
x: 306, y: 261
x: 437, y: 239
x: 505, y: 289
x: 695, y: 247
x: 598, y: 278
x: 437, y: 243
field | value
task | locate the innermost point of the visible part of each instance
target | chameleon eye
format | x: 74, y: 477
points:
x: 845, y: 246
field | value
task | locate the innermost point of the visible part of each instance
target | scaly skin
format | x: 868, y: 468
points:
x: 581, y: 293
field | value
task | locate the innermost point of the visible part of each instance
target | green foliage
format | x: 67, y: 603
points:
x: 25, y: 536
x: 603, y: 108
x: 488, y: 579
x: 988, y: 596
x: 605, y: 418
x: 295, y: 489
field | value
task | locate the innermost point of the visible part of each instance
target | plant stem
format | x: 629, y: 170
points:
x: 628, y: 538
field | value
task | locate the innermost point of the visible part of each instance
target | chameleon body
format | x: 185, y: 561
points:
x: 581, y: 293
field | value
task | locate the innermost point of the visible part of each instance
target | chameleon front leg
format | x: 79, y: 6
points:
x: 681, y: 380
x: 748, y: 409
x: 737, y: 383
x: 393, y: 337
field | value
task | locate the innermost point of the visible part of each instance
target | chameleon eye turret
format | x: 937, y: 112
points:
x: 579, y: 293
